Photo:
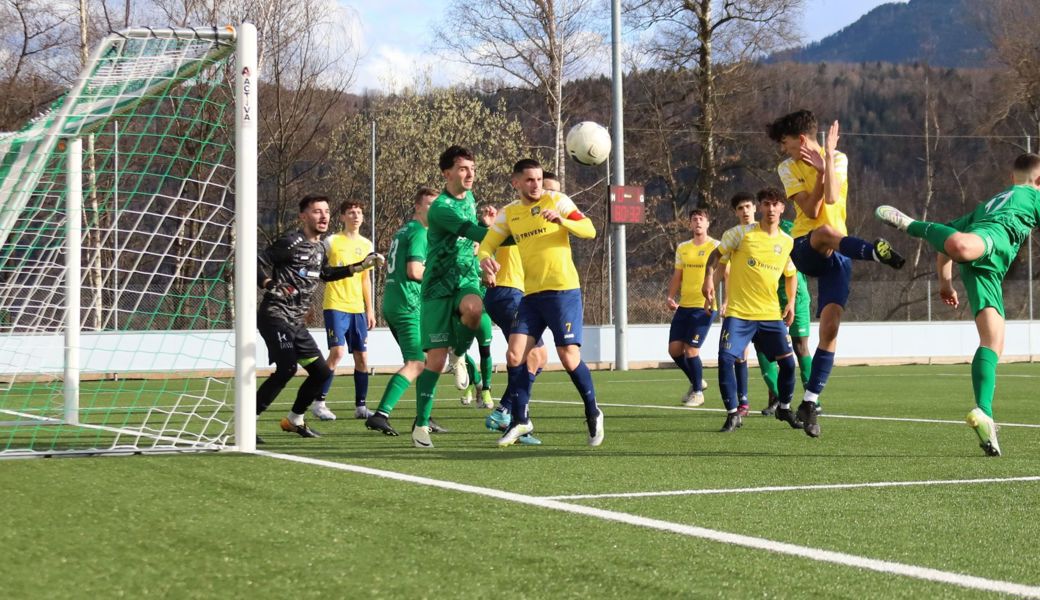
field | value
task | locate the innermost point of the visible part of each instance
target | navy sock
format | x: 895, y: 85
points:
x: 740, y: 367
x: 856, y: 248
x: 696, y: 368
x: 327, y: 385
x: 728, y: 380
x: 680, y: 361
x: 582, y: 380
x: 822, y: 363
x: 506, y: 403
x: 360, y: 387
x: 785, y: 379
x: 520, y: 382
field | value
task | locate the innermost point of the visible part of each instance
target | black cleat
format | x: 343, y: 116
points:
x: 436, y: 428
x: 733, y: 421
x: 303, y: 430
x: 807, y: 415
x: 887, y: 255
x: 260, y: 440
x: 773, y: 405
x: 787, y: 416
x: 380, y: 422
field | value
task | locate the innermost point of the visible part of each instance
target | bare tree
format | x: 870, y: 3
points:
x: 36, y: 37
x: 1010, y: 25
x: 713, y: 44
x: 536, y: 43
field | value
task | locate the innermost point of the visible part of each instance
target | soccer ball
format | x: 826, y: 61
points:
x: 588, y: 143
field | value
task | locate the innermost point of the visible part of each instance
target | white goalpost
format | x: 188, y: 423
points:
x: 128, y: 305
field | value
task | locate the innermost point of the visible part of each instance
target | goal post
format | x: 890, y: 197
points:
x: 128, y: 252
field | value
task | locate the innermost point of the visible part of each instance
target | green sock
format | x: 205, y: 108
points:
x: 396, y: 388
x: 425, y: 388
x: 933, y: 233
x: 984, y: 378
x: 486, y: 366
x: 471, y: 368
x: 805, y: 369
x: 769, y: 373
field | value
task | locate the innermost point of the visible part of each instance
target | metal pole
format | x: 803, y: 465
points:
x: 73, y: 281
x: 618, y: 134
x: 246, y: 80
x: 115, y: 228
x: 929, y: 303
x: 372, y: 195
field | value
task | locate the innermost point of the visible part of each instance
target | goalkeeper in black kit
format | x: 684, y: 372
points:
x: 289, y: 271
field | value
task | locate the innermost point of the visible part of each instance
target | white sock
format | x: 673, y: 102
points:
x: 785, y: 405
x: 295, y: 419
x: 811, y: 397
x: 319, y: 404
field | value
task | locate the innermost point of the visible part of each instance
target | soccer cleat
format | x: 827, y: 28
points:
x: 596, y: 432
x: 458, y: 368
x: 514, y: 433
x: 467, y: 396
x: 771, y: 409
x: 986, y: 429
x: 486, y: 401
x: 362, y: 412
x: 528, y: 440
x: 301, y: 429
x: 743, y: 410
x: 787, y: 416
x: 693, y: 397
x: 733, y: 421
x: 807, y: 415
x: 322, y: 412
x: 893, y: 217
x: 421, y: 437
x: 887, y: 255
x: 436, y: 428
x: 498, y: 420
x: 380, y: 422
x: 260, y: 440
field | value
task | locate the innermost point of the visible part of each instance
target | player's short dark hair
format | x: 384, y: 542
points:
x: 701, y: 212
x: 526, y: 163
x: 349, y: 204
x: 422, y: 192
x: 770, y: 194
x: 309, y: 199
x: 549, y: 175
x: 740, y: 198
x: 1026, y: 163
x: 454, y: 152
x: 802, y: 122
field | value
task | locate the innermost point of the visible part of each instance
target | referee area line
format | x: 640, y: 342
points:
x: 815, y: 554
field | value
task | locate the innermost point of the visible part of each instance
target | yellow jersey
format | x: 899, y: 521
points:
x: 346, y: 294
x: 756, y: 260
x: 798, y: 176
x: 510, y: 270
x: 544, y: 247
x: 690, y: 258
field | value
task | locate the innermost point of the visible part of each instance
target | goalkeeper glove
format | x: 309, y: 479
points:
x: 374, y: 259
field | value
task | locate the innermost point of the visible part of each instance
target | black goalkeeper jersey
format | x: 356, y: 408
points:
x: 297, y: 261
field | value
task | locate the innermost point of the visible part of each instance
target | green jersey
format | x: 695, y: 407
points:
x: 451, y: 264
x: 1016, y: 209
x: 401, y: 295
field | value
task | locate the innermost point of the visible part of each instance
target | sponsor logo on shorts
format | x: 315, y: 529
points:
x: 438, y: 337
x: 568, y: 336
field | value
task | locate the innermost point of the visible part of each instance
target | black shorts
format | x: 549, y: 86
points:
x: 286, y: 343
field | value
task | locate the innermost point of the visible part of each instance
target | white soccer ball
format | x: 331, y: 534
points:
x: 588, y: 143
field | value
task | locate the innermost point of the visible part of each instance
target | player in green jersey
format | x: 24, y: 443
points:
x: 983, y: 243
x: 406, y: 263
x: 451, y: 302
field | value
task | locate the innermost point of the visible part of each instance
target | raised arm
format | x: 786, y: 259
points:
x: 834, y: 173
x: 809, y: 200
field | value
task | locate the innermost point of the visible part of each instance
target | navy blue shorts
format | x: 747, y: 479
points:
x: 690, y: 326
x: 501, y: 304
x: 770, y: 337
x: 833, y: 273
x: 560, y: 311
x: 346, y: 329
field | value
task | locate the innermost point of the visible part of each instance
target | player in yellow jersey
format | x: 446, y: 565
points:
x: 816, y: 181
x: 348, y: 309
x: 758, y: 253
x: 744, y: 206
x: 541, y: 223
x: 692, y: 320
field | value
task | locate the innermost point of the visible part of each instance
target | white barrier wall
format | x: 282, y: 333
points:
x: 116, y: 353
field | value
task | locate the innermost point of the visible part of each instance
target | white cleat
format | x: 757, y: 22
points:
x: 514, y: 433
x: 596, y: 432
x: 361, y: 412
x: 458, y: 367
x: 986, y: 430
x: 467, y: 396
x: 322, y: 412
x: 893, y: 217
x: 694, y: 399
x: 421, y: 437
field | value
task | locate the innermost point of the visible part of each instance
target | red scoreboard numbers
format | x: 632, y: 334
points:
x: 626, y: 204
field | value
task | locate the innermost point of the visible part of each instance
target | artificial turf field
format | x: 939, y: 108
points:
x: 208, y: 525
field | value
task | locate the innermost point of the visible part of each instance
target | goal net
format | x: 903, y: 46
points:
x: 122, y: 327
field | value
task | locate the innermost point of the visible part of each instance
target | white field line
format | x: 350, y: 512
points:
x: 839, y: 558
x: 793, y: 488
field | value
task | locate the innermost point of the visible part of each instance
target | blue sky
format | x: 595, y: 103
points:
x: 396, y: 37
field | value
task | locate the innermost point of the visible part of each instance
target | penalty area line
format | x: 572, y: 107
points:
x: 793, y: 488
x: 816, y: 554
